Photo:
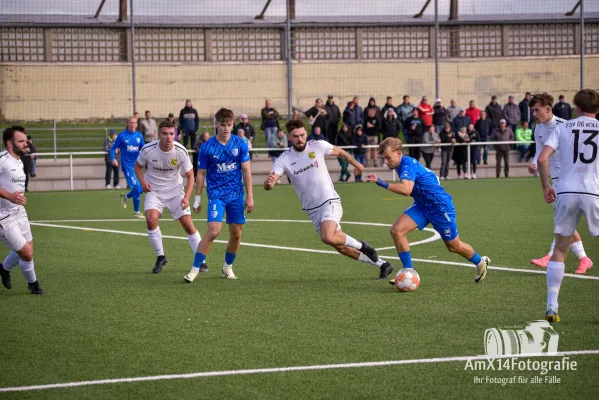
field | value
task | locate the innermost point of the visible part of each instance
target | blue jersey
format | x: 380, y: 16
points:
x: 129, y: 143
x: 427, y: 192
x: 223, y: 167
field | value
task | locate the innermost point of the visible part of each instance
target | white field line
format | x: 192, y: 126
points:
x: 268, y: 246
x: 436, y: 360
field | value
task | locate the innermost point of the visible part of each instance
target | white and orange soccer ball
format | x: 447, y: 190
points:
x: 407, y: 280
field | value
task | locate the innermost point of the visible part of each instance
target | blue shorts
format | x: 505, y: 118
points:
x: 129, y: 173
x: 235, y: 210
x: 443, y: 223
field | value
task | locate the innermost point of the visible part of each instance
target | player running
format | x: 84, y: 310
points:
x: 541, y: 105
x: 223, y: 160
x: 577, y: 141
x: 14, y: 224
x: 129, y: 142
x: 164, y: 160
x: 306, y: 168
x: 432, y: 205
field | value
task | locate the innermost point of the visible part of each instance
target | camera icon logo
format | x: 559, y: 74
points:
x: 536, y: 338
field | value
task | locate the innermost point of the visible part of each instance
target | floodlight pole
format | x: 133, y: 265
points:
x: 133, y: 80
x: 436, y: 49
x: 581, y: 44
x: 288, y: 57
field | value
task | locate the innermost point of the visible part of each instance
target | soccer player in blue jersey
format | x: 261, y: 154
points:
x: 224, y: 159
x: 129, y: 142
x: 432, y: 205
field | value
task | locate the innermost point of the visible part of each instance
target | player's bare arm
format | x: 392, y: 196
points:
x: 145, y: 186
x: 15, y: 198
x: 247, y: 181
x: 543, y: 164
x: 188, y: 189
x: 271, y: 180
x: 197, y: 204
x: 339, y: 152
x: 404, y: 187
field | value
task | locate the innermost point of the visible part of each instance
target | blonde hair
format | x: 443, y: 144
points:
x: 391, y: 142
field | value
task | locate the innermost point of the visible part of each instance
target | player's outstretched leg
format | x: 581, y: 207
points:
x: 11, y: 260
x: 203, y: 249
x: 352, y: 248
x: 465, y: 250
x: 232, y: 249
x: 27, y: 267
x: 399, y: 231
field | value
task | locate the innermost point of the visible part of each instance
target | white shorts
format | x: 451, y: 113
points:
x: 569, y: 209
x: 17, y: 233
x: 153, y: 202
x: 329, y: 211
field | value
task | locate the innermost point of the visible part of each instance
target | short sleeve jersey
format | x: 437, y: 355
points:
x: 308, y: 173
x: 542, y: 133
x: 427, y: 192
x: 222, y: 163
x: 12, y: 179
x: 164, y: 169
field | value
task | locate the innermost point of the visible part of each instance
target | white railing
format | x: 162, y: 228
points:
x: 262, y: 150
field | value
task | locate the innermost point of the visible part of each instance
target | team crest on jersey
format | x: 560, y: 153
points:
x: 312, y: 155
x: 235, y: 151
x: 174, y: 162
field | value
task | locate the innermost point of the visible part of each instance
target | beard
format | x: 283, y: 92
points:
x: 21, y: 152
x: 300, y: 148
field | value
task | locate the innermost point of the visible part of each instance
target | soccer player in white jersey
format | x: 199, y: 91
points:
x: 304, y: 163
x: 541, y: 105
x: 14, y: 224
x: 578, y: 191
x: 165, y: 160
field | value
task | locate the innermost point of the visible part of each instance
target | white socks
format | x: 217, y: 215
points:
x: 578, y: 249
x: 551, y: 248
x: 363, y: 258
x: 156, y: 241
x: 555, y: 274
x: 28, y: 271
x: 11, y: 260
x: 194, y: 241
x: 353, y: 243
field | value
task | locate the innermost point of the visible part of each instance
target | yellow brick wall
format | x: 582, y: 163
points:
x: 69, y: 91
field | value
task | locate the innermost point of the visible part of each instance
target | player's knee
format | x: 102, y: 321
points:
x: 235, y: 234
x: 328, y: 239
x: 26, y: 253
x: 452, y: 246
x: 397, y: 232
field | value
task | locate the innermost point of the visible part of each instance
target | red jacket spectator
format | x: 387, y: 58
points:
x: 425, y: 111
x: 473, y: 113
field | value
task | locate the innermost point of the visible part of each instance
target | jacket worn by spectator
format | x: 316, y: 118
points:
x: 314, y: 136
x: 250, y: 131
x: 505, y: 135
x: 404, y: 111
x: 494, y: 113
x: 359, y: 115
x: 423, y: 112
x: 349, y: 117
x: 391, y: 127
x: 523, y: 135
x: 343, y: 138
x: 440, y: 116
x: 378, y: 114
x: 446, y: 137
x: 334, y: 115
x: 319, y: 120
x: 525, y: 111
x: 474, y: 114
x: 452, y: 112
x: 189, y: 120
x: 415, y: 129
x: 360, y: 140
x: 511, y: 113
x: 474, y: 136
x: 563, y: 110
x: 375, y: 129
x: 429, y: 139
x: 275, y: 142
x: 270, y: 118
x: 149, y: 129
x: 386, y: 107
x: 484, y: 128
x: 107, y: 145
x: 460, y: 122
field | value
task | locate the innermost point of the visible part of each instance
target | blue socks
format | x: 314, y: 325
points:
x: 198, y: 259
x: 136, y: 202
x: 475, y: 259
x: 229, y: 258
x: 406, y: 259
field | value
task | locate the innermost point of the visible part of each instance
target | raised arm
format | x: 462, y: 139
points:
x: 339, y: 152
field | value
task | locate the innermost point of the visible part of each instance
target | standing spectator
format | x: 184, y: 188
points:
x: 494, y: 112
x: 372, y: 129
x: 270, y: 121
x: 28, y: 165
x: 524, y: 135
x: 415, y: 133
x: 372, y: 104
x: 149, y: 128
x: 453, y: 110
x: 318, y: 117
x: 349, y: 115
x: 278, y: 141
x: 295, y: 115
x: 334, y: 115
x: 391, y: 126
x: 460, y: 153
x: 484, y: 127
x: 250, y: 131
x: 359, y: 111
x: 525, y: 111
x: 317, y: 135
x: 202, y: 139
x: 431, y: 138
x: 561, y: 109
x: 472, y: 112
x: 110, y: 169
x: 460, y: 121
x: 388, y: 105
x: 189, y: 122
x: 404, y: 111
x: 511, y: 113
x: 241, y: 134
x: 474, y: 137
x: 32, y: 150
x: 439, y: 116
x: 447, y: 137
x: 425, y: 111
x: 360, y: 152
x: 502, y: 134
x: 344, y: 138
x: 136, y: 116
x: 171, y: 119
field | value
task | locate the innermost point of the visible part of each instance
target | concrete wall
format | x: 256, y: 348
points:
x: 83, y: 91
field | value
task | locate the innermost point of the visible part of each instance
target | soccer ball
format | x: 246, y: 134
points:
x: 407, y: 280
